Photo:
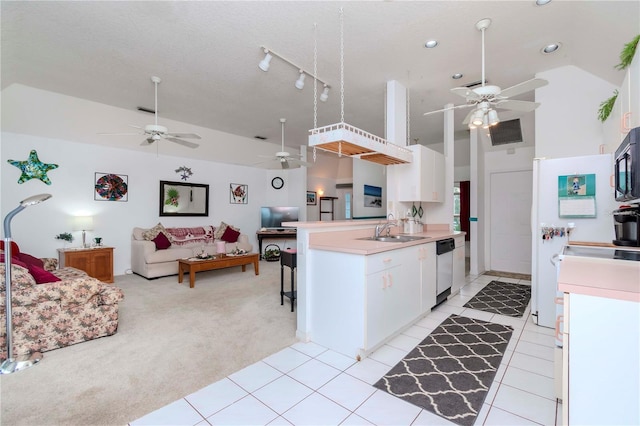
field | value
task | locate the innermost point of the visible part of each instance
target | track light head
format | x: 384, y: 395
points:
x: 300, y: 81
x: 264, y: 64
x: 325, y: 94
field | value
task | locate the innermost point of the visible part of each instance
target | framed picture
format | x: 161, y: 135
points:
x: 372, y: 196
x: 311, y: 198
x: 238, y: 193
x: 183, y: 199
x: 110, y: 187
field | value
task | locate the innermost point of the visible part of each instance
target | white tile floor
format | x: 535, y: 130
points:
x: 306, y: 384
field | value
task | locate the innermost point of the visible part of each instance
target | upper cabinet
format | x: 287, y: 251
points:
x: 626, y: 110
x: 422, y: 179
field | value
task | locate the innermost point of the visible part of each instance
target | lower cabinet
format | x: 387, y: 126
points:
x: 601, y: 373
x: 428, y: 290
x: 458, y: 265
x: 96, y: 262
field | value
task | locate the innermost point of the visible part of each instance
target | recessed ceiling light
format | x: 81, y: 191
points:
x: 430, y: 44
x: 550, y: 48
x: 457, y: 76
x: 542, y: 2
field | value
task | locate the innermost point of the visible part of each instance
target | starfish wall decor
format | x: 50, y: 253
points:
x: 33, y: 168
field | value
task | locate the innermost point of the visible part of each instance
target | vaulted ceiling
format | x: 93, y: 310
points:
x: 207, y: 54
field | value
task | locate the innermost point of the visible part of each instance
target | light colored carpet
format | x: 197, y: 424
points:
x: 171, y: 342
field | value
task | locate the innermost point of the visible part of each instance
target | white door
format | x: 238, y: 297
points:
x: 510, y: 221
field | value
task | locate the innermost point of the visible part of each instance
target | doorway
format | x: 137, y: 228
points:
x: 510, y: 217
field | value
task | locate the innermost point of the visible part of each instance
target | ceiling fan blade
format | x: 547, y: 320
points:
x: 525, y: 86
x: 466, y: 93
x: 121, y: 134
x: 447, y: 109
x: 135, y: 127
x: 184, y: 135
x: 183, y: 143
x: 296, y: 162
x: 524, y: 106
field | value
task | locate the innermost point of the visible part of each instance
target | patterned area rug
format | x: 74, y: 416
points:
x: 502, y: 298
x: 449, y: 373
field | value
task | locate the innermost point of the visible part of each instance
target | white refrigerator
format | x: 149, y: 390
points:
x: 550, y: 199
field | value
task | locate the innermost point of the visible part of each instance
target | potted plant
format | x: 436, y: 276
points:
x: 272, y: 253
x: 66, y: 237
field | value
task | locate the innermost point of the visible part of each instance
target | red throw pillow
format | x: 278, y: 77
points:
x: 14, y: 248
x: 230, y: 235
x: 30, y: 260
x: 14, y: 261
x: 162, y: 242
x: 41, y: 276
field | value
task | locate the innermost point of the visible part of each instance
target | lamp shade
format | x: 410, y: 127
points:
x: 300, y: 81
x: 83, y: 223
x: 325, y: 94
x: 493, y: 117
x: 264, y: 64
x: 476, y: 119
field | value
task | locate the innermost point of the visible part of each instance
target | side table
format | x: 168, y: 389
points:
x: 97, y: 262
x: 288, y: 258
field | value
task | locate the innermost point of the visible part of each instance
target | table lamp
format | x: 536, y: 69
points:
x: 11, y: 364
x: 83, y: 223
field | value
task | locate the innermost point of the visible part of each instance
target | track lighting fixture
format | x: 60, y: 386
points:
x: 265, y: 63
x: 300, y: 81
x: 325, y: 94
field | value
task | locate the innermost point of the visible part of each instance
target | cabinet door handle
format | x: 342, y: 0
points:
x: 626, y: 119
x: 559, y: 320
x: 387, y: 260
x: 384, y: 281
x: 390, y: 280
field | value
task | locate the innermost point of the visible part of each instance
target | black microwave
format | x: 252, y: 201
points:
x: 628, y: 167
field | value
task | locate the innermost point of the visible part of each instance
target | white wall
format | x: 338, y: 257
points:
x: 368, y: 173
x: 566, y: 121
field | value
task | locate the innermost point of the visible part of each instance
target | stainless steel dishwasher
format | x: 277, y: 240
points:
x: 444, y: 269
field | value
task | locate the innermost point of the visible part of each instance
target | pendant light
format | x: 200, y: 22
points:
x: 345, y: 139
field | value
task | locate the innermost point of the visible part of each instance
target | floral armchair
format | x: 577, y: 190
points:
x: 51, y: 315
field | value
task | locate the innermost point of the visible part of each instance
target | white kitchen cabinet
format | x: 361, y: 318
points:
x: 427, y: 262
x: 601, y: 373
x: 458, y: 265
x: 626, y: 110
x: 363, y: 300
x: 422, y: 179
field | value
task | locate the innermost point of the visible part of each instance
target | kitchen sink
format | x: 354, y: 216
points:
x: 394, y: 238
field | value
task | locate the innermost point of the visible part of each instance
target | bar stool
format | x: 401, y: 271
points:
x: 288, y: 257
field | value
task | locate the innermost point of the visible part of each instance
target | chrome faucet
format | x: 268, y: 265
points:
x: 384, y: 226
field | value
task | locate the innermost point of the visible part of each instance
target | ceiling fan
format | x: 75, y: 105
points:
x: 155, y: 132
x: 487, y: 98
x: 283, y: 157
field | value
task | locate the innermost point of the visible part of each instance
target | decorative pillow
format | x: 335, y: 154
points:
x: 191, y: 236
x: 30, y: 260
x: 221, y: 229
x: 41, y: 276
x: 162, y: 241
x: 230, y: 235
x: 14, y: 248
x: 153, y: 232
x: 14, y: 261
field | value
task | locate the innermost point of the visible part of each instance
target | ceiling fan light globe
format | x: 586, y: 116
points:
x: 476, y: 119
x: 493, y: 117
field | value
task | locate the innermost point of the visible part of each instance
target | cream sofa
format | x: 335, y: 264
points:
x: 150, y: 262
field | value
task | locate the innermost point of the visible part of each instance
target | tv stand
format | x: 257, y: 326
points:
x: 281, y: 233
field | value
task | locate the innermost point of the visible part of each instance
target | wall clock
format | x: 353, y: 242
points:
x: 277, y: 182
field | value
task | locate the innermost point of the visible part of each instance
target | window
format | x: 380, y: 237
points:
x: 456, y: 207
x: 347, y: 206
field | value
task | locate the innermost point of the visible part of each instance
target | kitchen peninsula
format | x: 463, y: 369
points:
x: 355, y: 293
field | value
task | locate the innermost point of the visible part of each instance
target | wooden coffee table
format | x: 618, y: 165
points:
x: 193, y: 265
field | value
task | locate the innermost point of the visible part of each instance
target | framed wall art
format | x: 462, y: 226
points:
x: 238, y: 193
x: 183, y: 199
x: 311, y: 198
x: 111, y: 187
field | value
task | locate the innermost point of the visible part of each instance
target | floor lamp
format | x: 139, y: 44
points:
x: 10, y: 364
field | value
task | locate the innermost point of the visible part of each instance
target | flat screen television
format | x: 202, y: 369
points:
x: 272, y: 217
